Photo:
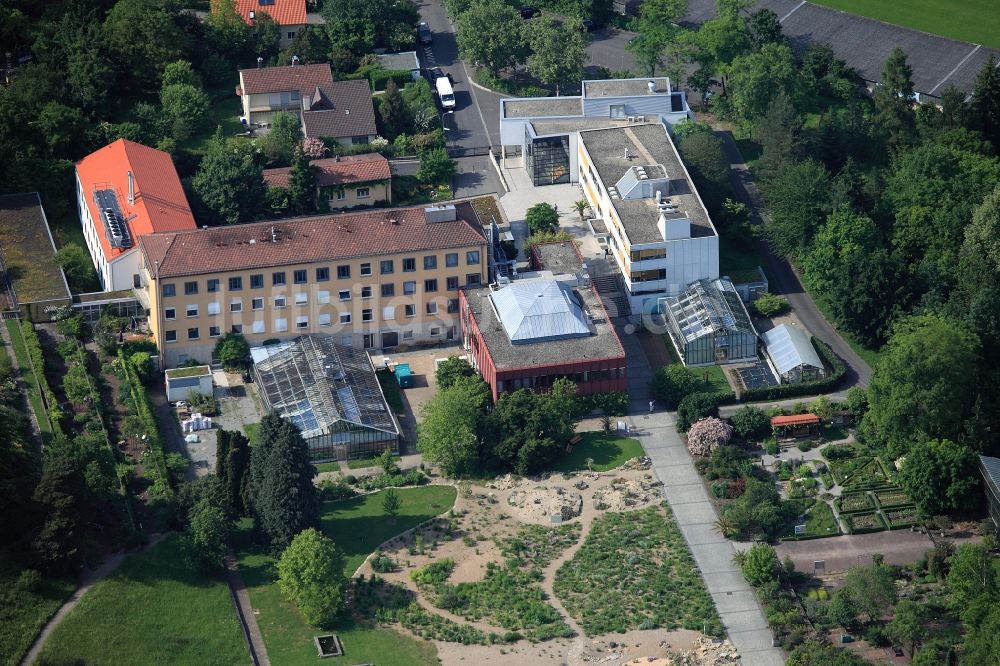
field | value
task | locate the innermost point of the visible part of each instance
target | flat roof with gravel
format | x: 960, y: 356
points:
x: 645, y: 144
x: 626, y: 87
x: 549, y: 107
x: 548, y: 127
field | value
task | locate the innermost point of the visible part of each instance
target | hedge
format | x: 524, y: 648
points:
x: 379, y: 77
x: 818, y: 387
x: 34, y: 346
x: 157, y: 471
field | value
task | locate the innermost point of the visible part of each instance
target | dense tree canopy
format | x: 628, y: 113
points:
x: 941, y: 477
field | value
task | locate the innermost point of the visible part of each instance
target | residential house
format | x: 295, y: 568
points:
x: 125, y: 191
x: 340, y: 110
x: 377, y: 279
x: 345, y: 182
x: 290, y: 15
x: 659, y: 232
x: 543, y: 326
x: 540, y: 134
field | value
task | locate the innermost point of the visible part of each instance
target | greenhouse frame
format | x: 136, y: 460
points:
x: 331, y: 393
x: 792, y: 355
x: 708, y: 324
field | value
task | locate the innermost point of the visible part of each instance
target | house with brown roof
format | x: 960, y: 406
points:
x: 290, y: 15
x: 125, y: 191
x: 340, y: 110
x: 375, y: 279
x: 351, y: 181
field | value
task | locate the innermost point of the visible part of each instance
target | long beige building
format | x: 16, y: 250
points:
x: 376, y: 279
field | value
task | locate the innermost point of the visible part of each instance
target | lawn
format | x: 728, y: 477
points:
x: 359, y: 525
x: 153, y: 609
x: 390, y: 387
x: 976, y: 21
x: 253, y: 432
x: 607, y: 452
x: 30, y: 380
x: 362, y: 463
x: 23, y: 613
x: 714, y: 376
x: 327, y: 467
x: 634, y: 571
x: 819, y: 521
x: 224, y: 112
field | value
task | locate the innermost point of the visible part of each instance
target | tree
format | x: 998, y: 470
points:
x: 704, y: 152
x: 542, y: 217
x: 283, y: 498
x: 941, y: 477
x: 228, y: 31
x: 490, y: 33
x: 180, y: 72
x: 694, y: 407
x: 187, y: 108
x: 720, y: 41
x: 529, y: 430
x: 281, y: 140
x: 798, y: 197
x: 971, y: 574
x: 390, y: 503
x: 436, y: 167
x: 76, y: 384
x: 764, y: 27
x: 757, y: 78
x: 267, y: 37
x: 229, y: 184
x: 751, y: 423
x: 450, y: 432
x: 233, y: 351
x: 779, y: 131
x: 311, y: 575
x: 872, y: 589
x: 232, y: 462
x: 706, y: 435
x: 909, y: 625
x: 301, y: 184
x: 673, y: 382
x: 558, y: 52
x: 985, y: 106
x: 659, y: 33
x: 143, y: 38
x: 760, y: 564
x: 78, y: 268
x: 61, y: 496
x: 451, y: 370
x: 894, y: 97
x: 982, y: 645
x: 393, y: 111
x: 142, y: 364
x: 940, y: 652
x: 814, y: 653
x: 923, y: 385
x: 387, y: 462
x: 580, y: 206
x: 207, y: 534
x: 842, y: 609
x: 62, y: 129
x: 311, y: 45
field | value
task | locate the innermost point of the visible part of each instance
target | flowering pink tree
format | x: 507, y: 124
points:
x: 707, y: 435
x: 313, y: 148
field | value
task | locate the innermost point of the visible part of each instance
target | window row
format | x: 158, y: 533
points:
x: 170, y: 314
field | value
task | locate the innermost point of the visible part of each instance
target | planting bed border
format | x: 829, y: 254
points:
x: 872, y: 504
x: 882, y: 525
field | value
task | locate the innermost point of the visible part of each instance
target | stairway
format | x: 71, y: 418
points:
x: 615, y: 302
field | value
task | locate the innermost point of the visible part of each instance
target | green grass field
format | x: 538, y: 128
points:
x: 153, y: 609
x: 390, y: 387
x: 358, y: 526
x: 327, y: 467
x: 23, y: 613
x: 607, y: 451
x: 30, y: 380
x: 253, y: 432
x: 976, y: 21
x: 362, y: 463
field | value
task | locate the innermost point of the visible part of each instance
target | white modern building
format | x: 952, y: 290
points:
x: 540, y: 134
x: 659, y: 231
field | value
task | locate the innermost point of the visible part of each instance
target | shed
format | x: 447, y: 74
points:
x: 791, y: 352
x: 182, y: 382
x: 399, y: 62
x: 404, y: 376
x: 795, y: 425
x: 709, y: 324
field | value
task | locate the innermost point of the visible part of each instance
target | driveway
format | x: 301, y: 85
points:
x: 843, y: 552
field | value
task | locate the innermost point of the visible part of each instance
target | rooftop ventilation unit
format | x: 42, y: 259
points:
x: 652, y: 87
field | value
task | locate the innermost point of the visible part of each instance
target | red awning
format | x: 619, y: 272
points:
x: 794, y: 420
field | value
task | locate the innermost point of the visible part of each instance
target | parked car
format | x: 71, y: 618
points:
x: 433, y: 74
x: 424, y: 34
x: 528, y: 12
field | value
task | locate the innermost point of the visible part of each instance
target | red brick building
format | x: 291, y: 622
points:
x: 542, y: 327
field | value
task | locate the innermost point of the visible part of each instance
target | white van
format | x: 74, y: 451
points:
x: 445, y: 93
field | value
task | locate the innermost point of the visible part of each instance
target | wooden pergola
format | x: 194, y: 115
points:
x: 795, y: 425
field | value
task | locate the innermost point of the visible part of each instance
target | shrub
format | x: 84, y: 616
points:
x: 673, y: 383
x: 706, y: 435
x: 382, y: 563
x: 771, y: 305
x: 695, y: 407
x: 311, y: 575
x: 379, y: 77
x: 233, y: 351
x: 336, y: 489
x: 542, y: 217
x: 751, y: 423
x: 760, y: 564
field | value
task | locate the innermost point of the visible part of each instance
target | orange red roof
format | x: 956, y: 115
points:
x: 794, y: 420
x: 284, y: 12
x: 160, y: 203
x: 344, y: 170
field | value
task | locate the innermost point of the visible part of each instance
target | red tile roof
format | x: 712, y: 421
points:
x: 160, y: 204
x: 303, y: 78
x: 284, y: 12
x: 338, y: 171
x: 367, y: 233
x: 794, y: 420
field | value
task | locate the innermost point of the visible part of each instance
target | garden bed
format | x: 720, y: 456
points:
x: 901, y: 517
x: 855, y: 503
x: 892, y: 498
x: 860, y: 523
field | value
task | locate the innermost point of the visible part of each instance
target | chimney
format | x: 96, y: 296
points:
x: 652, y: 87
x: 260, y: 62
x: 131, y: 189
x: 295, y: 60
x: 274, y: 235
x: 251, y: 15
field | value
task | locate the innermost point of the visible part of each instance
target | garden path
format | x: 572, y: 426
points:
x: 244, y: 608
x: 87, y: 581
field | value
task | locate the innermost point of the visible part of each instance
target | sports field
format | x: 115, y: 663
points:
x: 976, y: 21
